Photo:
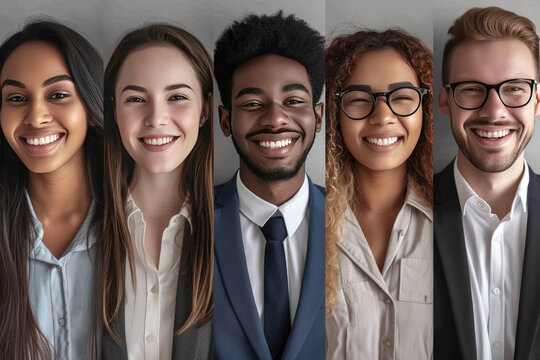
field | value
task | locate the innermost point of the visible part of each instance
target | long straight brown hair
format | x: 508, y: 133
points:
x: 20, y: 336
x: 196, y: 183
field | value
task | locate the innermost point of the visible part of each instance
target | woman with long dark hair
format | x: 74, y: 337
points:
x: 379, y: 196
x: 158, y: 241
x: 51, y: 211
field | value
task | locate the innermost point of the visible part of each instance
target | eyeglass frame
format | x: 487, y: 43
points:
x: 488, y: 87
x: 420, y: 90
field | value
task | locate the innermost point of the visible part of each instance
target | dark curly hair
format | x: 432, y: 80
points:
x: 341, y: 58
x: 256, y: 35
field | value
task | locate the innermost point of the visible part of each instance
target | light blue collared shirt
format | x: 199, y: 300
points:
x: 61, y: 291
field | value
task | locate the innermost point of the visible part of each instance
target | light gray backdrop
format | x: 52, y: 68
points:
x: 444, y: 14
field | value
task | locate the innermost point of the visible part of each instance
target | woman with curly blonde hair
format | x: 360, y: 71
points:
x: 379, y: 180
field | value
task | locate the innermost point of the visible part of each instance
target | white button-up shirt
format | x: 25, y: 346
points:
x: 254, y: 212
x: 60, y: 291
x: 150, y: 310
x: 385, y: 315
x: 495, y: 249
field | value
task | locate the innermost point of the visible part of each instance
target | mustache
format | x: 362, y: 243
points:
x: 485, y: 122
x: 269, y: 132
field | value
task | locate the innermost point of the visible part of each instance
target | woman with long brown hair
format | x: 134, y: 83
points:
x: 379, y: 196
x: 51, y: 208
x: 158, y: 241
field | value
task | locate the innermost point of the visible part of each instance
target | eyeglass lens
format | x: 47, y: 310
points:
x: 513, y: 93
x: 358, y: 104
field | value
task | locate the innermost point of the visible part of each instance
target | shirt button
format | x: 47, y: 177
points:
x: 387, y: 301
x: 61, y: 322
x: 388, y: 343
x: 58, y: 267
x: 480, y: 204
x: 496, y: 291
x: 497, y: 345
x: 154, y: 289
x: 151, y: 337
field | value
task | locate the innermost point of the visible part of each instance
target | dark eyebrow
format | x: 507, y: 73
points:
x: 245, y: 91
x: 399, y: 84
x: 134, y: 88
x: 178, y: 86
x: 13, y: 83
x: 293, y: 87
x: 57, y: 78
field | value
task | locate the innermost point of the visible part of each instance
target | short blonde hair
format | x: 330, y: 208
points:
x: 488, y: 24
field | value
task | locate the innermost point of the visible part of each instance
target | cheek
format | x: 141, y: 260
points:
x: 351, y: 133
x: 128, y: 120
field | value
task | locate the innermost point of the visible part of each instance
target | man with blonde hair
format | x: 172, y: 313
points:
x: 487, y: 201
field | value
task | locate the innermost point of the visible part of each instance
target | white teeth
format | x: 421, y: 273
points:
x: 42, y: 140
x: 275, y: 144
x: 383, y: 141
x: 158, y: 141
x: 492, y: 134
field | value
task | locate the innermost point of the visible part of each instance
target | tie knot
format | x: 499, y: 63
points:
x: 274, y: 229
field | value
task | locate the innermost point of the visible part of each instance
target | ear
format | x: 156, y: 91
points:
x: 224, y: 120
x: 537, y: 99
x: 319, y: 111
x: 205, y: 110
x: 443, y: 106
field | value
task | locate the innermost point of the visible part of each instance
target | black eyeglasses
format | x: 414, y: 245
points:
x: 472, y: 95
x: 358, y: 101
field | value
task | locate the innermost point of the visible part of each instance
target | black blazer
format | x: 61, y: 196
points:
x: 193, y: 344
x: 454, y: 336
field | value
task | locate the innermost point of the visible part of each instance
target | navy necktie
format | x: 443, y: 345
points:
x: 277, y: 321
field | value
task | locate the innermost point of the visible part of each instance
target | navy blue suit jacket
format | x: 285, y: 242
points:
x: 454, y: 336
x: 238, y: 333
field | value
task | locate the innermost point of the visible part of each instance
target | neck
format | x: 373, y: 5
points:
x: 157, y: 195
x: 497, y: 189
x: 381, y: 191
x: 65, y: 191
x: 275, y: 192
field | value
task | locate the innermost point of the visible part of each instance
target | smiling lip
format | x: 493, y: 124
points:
x: 382, y: 143
x: 492, y: 137
x: 275, y: 144
x: 157, y: 143
x: 41, y: 143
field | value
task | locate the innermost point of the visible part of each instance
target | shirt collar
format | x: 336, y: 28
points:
x: 132, y: 209
x: 79, y: 242
x: 259, y: 211
x: 415, y: 199
x: 467, y: 195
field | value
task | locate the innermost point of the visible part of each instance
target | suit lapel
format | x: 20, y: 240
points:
x: 448, y: 233
x: 231, y: 259
x: 313, y: 280
x: 528, y: 326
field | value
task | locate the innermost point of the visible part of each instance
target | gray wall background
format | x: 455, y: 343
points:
x: 444, y: 14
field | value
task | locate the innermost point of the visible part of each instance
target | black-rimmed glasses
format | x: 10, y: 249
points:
x: 358, y: 101
x: 472, y: 95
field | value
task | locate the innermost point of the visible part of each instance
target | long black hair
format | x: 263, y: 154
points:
x: 20, y: 337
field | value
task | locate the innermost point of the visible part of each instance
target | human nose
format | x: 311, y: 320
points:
x: 157, y: 115
x: 382, y: 114
x: 38, y: 114
x: 493, y: 108
x: 274, y: 116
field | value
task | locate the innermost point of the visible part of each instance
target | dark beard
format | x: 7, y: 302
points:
x: 277, y: 174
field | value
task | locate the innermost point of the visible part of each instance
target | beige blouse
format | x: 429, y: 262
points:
x: 386, y: 315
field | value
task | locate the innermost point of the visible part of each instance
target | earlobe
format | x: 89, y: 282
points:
x: 205, y: 111
x: 224, y: 120
x: 319, y: 111
x: 537, y: 104
x: 443, y: 105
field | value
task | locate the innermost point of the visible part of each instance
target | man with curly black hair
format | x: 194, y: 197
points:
x: 269, y: 218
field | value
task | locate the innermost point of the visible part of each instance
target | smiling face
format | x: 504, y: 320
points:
x: 158, y: 105
x: 382, y: 141
x: 42, y: 115
x: 494, y: 136
x: 272, y: 119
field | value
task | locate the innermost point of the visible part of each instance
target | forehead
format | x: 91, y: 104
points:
x: 34, y: 62
x: 158, y: 65
x: 268, y: 72
x: 491, y: 61
x: 379, y: 68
